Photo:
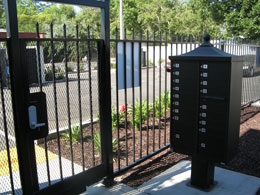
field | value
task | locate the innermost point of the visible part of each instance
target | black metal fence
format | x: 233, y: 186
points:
x: 140, y: 84
x: 140, y: 95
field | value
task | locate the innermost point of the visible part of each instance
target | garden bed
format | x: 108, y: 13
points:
x: 246, y: 161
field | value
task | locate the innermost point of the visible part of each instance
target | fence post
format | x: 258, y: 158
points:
x: 105, y: 99
x: 222, y: 44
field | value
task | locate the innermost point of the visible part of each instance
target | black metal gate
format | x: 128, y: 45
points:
x: 62, y: 126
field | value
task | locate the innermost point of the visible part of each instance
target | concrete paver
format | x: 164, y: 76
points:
x: 176, y: 179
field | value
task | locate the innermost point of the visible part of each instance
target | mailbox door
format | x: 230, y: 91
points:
x: 214, y: 103
x: 185, y: 95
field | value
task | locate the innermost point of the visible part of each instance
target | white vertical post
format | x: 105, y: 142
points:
x: 122, y: 34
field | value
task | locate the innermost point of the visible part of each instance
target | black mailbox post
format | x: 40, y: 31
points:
x: 205, y: 108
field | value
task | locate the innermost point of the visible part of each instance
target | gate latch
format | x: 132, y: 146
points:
x: 33, y: 118
x: 37, y: 111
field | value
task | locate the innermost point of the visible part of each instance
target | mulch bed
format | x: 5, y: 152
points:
x: 246, y: 161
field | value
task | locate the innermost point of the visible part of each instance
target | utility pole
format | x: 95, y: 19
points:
x: 122, y: 33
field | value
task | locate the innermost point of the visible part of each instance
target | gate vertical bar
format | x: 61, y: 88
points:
x: 140, y: 92
x: 105, y: 97
x: 147, y: 91
x: 117, y: 99
x: 90, y: 91
x: 24, y: 143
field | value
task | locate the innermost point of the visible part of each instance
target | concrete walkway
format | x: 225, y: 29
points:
x: 174, y: 181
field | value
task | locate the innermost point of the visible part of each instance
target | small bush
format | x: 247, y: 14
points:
x: 69, y: 68
x: 59, y: 74
x: 48, y: 74
x: 74, y: 135
x: 113, y: 66
x: 81, y: 68
x: 139, y: 113
x: 97, y: 143
x: 117, y: 117
x: 162, y: 104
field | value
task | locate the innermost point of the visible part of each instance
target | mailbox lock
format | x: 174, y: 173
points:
x: 204, y: 74
x: 176, y: 73
x: 175, y: 118
x: 176, y: 95
x: 204, y: 83
x: 203, y: 145
x: 204, y: 91
x: 176, y: 103
x: 203, y: 122
x: 176, y: 110
x: 176, y: 88
x: 203, y: 115
x: 176, y: 81
x: 203, y: 130
x: 176, y: 65
x: 204, y: 66
x: 203, y: 107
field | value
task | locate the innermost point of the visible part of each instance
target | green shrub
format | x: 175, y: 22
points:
x: 74, y: 135
x: 97, y: 143
x: 59, y: 74
x: 167, y: 99
x: 81, y: 67
x: 112, y: 66
x: 139, y: 113
x: 48, y: 74
x: 70, y: 68
x: 162, y: 104
x: 117, y: 117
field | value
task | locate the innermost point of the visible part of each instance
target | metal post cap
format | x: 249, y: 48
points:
x: 206, y: 42
x: 206, y: 37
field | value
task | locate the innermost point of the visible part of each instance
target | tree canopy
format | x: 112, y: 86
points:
x: 237, y: 17
x: 228, y: 18
x: 2, y: 15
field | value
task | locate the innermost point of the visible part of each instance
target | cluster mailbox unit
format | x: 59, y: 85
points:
x: 205, y: 108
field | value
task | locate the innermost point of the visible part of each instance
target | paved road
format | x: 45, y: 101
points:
x: 89, y: 101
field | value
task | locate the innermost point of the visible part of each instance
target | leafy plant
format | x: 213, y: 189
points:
x: 74, y: 135
x: 97, y: 143
x: 162, y: 104
x: 48, y: 74
x: 139, y: 113
x: 70, y: 68
x: 59, y: 74
x: 167, y: 99
x: 117, y: 117
x: 112, y: 66
x: 81, y: 67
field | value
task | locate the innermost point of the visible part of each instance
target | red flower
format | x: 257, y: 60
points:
x: 122, y: 108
